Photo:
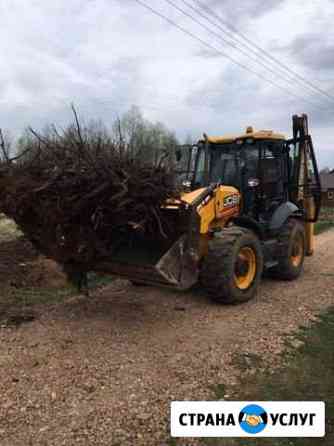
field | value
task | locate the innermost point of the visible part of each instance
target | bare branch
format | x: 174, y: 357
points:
x: 77, y: 123
x: 4, y: 148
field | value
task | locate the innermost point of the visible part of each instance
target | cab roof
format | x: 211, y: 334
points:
x: 250, y: 133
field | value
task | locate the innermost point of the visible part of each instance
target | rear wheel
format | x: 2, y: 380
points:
x: 232, y: 269
x: 291, y: 259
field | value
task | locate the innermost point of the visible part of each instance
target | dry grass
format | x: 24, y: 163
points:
x: 8, y: 229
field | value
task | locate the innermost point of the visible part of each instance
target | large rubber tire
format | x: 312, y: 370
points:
x: 291, y: 257
x: 218, y: 274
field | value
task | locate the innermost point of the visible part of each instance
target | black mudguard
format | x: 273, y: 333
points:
x: 281, y: 214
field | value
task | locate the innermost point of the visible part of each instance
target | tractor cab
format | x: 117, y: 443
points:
x: 254, y: 163
x: 266, y: 168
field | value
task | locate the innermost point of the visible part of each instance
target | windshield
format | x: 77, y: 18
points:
x: 225, y: 164
x: 228, y: 163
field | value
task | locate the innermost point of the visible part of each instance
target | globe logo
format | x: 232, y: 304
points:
x: 253, y: 419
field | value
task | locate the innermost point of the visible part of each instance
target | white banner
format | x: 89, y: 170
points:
x: 247, y: 419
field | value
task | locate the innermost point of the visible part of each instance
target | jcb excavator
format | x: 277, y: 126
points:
x: 250, y: 205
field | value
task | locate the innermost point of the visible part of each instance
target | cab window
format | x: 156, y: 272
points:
x: 225, y: 165
x: 200, y: 165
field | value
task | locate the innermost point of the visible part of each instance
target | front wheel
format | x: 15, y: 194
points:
x: 232, y: 270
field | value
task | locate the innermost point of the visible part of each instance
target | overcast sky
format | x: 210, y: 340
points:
x: 105, y: 55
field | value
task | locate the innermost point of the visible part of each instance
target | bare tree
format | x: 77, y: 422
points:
x: 5, y: 146
x: 143, y: 139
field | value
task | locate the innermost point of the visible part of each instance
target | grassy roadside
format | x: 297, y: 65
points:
x: 326, y: 221
x: 323, y: 226
x: 306, y: 374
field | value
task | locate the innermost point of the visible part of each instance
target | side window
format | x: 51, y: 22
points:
x: 272, y: 169
x: 311, y: 174
x: 199, y: 174
x: 252, y: 162
x: 225, y: 165
x: 306, y: 167
x: 293, y: 162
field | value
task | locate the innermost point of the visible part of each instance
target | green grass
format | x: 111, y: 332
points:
x: 98, y: 280
x: 306, y: 373
x: 17, y: 304
x: 322, y: 226
x: 29, y: 296
x: 325, y: 222
x: 327, y: 211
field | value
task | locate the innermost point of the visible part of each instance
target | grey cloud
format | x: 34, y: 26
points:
x: 231, y: 16
x: 241, y: 11
x: 105, y: 56
x: 315, y: 51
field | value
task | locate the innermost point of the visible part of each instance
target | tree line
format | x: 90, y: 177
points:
x: 134, y: 134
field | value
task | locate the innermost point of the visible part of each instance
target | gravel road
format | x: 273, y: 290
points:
x: 103, y: 371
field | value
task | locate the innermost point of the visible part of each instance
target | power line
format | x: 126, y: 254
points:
x: 232, y: 59
x: 251, y: 45
x: 275, y: 69
x: 232, y: 44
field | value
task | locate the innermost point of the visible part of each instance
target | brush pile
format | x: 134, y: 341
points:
x: 77, y: 193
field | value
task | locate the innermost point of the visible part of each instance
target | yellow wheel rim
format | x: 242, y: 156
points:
x: 297, y: 251
x: 245, y: 268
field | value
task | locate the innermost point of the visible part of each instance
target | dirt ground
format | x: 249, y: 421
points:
x: 103, y: 370
x: 21, y: 266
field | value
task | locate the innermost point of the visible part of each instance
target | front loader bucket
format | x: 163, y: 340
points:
x: 171, y: 261
x: 177, y: 268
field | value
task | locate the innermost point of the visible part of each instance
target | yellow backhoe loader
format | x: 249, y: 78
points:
x: 249, y: 205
